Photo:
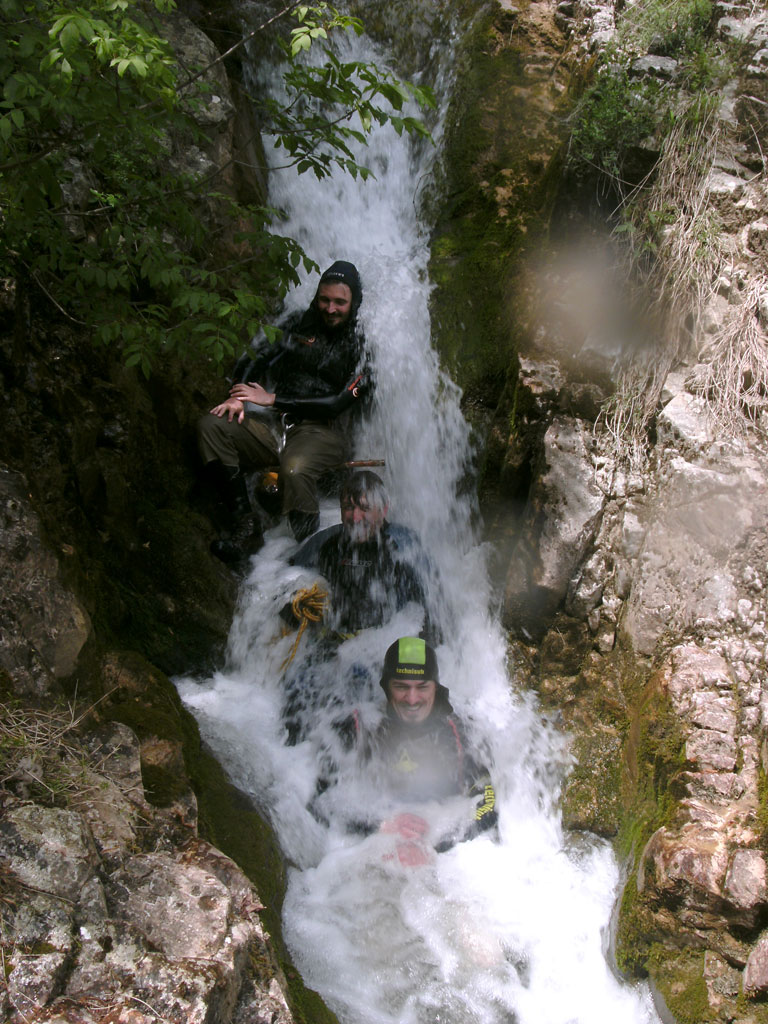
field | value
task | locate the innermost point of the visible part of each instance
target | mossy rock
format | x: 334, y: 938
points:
x: 678, y: 975
x: 591, y: 799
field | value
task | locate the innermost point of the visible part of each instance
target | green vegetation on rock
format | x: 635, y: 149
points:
x: 499, y: 192
x: 654, y: 756
x: 104, y: 218
x: 679, y: 977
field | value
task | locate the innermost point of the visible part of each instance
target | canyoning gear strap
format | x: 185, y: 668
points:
x: 307, y: 605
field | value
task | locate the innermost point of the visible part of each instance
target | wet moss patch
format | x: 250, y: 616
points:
x: 654, y: 757
x: 679, y: 977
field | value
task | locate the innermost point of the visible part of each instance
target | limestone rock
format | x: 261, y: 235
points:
x: 756, y: 971
x: 745, y: 882
x: 701, y: 515
x: 685, y: 418
x: 180, y: 910
x: 89, y: 925
x: 48, y: 849
x: 655, y: 66
x: 560, y: 523
x: 691, y: 864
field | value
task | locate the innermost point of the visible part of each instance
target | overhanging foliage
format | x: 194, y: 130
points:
x: 99, y: 214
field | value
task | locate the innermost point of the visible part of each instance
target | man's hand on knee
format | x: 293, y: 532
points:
x: 231, y: 408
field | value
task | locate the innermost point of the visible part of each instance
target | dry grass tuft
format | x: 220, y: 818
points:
x: 736, y: 380
x: 41, y: 755
x: 674, y: 256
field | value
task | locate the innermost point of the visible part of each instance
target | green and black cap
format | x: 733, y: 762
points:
x: 409, y: 658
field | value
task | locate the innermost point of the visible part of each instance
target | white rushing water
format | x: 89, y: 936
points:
x: 491, y: 931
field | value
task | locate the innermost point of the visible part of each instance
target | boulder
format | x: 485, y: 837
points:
x: 701, y: 519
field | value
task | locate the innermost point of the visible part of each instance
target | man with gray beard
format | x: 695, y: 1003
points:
x: 373, y: 569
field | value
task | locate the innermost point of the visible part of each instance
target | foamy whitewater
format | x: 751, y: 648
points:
x: 492, y: 931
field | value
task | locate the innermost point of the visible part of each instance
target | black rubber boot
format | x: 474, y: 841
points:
x: 303, y: 523
x: 245, y: 536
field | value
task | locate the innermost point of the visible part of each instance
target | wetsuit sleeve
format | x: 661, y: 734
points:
x: 325, y: 407
x: 477, y: 784
x: 486, y: 815
x: 345, y: 735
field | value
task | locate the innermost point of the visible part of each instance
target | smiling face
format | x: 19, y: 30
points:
x: 334, y: 303
x: 412, y: 699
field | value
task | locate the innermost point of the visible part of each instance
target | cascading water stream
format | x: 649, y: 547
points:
x: 492, y: 931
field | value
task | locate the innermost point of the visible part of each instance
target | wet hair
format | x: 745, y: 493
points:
x: 364, y: 484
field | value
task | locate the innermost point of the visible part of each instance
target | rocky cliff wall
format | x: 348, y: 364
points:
x: 634, y: 573
x: 116, y: 901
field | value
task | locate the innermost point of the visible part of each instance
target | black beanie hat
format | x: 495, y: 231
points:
x: 409, y: 658
x: 345, y: 273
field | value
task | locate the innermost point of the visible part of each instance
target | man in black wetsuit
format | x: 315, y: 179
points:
x: 416, y: 754
x: 311, y: 376
x: 373, y: 567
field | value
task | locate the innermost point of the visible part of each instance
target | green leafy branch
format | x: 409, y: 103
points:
x: 317, y: 140
x: 97, y: 215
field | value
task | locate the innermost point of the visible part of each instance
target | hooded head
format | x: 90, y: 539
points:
x: 342, y: 272
x: 410, y: 665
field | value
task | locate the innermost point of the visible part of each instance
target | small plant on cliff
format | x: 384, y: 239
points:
x: 99, y: 216
x: 614, y: 115
x: 680, y: 29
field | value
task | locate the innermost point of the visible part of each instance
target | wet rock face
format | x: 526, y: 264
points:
x: 114, y: 910
x: 559, y: 526
x: 504, y: 132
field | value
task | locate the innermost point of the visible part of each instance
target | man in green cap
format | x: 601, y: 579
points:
x: 418, y: 753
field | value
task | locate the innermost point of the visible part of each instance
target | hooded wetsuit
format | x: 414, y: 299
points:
x: 316, y: 374
x: 368, y: 581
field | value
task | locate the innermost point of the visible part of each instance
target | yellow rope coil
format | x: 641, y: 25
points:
x: 307, y: 605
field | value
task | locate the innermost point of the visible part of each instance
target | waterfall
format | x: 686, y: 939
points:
x: 493, y: 931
